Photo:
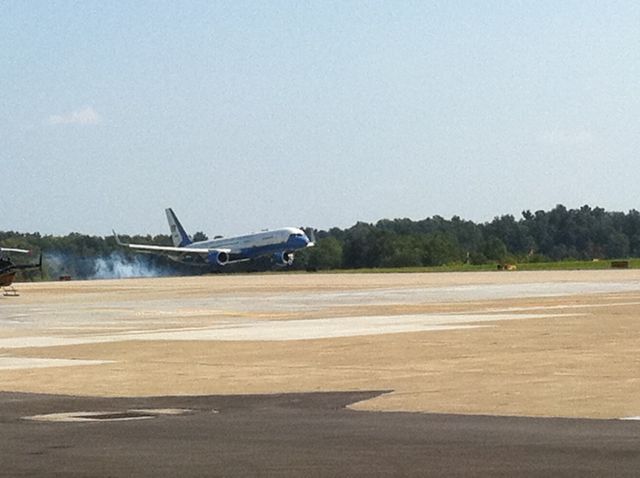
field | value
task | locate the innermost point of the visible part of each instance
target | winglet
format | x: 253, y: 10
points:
x: 118, y: 241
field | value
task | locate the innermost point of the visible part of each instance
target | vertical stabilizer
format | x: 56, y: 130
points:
x: 178, y: 235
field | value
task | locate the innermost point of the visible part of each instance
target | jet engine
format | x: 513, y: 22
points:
x: 218, y: 257
x: 283, y: 258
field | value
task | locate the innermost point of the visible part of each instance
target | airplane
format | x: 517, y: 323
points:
x: 279, y: 243
x: 8, y: 269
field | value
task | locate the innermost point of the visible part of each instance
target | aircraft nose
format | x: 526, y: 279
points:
x: 299, y: 241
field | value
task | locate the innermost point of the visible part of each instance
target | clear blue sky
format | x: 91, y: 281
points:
x: 248, y: 115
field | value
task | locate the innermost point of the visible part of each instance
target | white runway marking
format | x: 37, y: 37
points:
x: 80, y: 314
x: 561, y: 307
x: 285, y: 330
x: 16, y: 363
x: 109, y: 416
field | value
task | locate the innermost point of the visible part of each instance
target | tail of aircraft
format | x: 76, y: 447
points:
x: 178, y: 234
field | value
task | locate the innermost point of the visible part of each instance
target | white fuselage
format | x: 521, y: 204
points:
x: 277, y: 238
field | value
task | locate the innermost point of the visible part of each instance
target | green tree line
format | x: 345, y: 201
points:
x: 542, y: 236
x: 558, y: 234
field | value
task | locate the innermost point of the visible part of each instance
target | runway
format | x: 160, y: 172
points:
x: 299, y: 435
x: 527, y: 372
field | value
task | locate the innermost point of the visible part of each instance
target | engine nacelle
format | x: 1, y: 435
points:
x: 218, y: 257
x: 283, y: 259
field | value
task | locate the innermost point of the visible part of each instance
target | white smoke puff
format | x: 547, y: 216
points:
x: 117, y: 266
x: 54, y: 261
x: 61, y: 264
x: 114, y: 266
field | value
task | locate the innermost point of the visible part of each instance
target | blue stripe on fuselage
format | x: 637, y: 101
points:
x: 292, y: 244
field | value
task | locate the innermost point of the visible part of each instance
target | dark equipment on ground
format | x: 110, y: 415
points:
x: 8, y: 271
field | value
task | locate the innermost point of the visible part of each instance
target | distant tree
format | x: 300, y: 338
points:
x: 405, y: 251
x: 365, y: 246
x: 495, y: 249
x: 440, y: 249
x: 200, y: 236
x: 327, y: 254
x: 618, y: 245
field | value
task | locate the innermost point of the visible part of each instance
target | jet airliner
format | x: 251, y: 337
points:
x: 279, y: 243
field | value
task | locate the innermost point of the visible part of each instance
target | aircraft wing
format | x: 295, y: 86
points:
x: 169, y: 250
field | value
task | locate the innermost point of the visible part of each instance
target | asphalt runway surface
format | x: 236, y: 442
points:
x: 298, y: 435
x: 488, y: 374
